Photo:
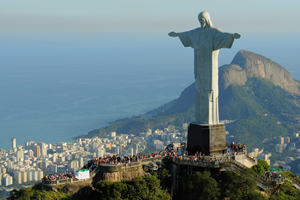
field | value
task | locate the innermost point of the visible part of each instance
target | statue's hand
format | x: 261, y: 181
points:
x: 236, y: 36
x: 173, y: 34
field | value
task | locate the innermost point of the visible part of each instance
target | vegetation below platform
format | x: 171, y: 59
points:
x: 148, y: 187
x: 198, y: 186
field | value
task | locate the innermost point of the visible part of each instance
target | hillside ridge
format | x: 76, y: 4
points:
x: 247, y: 64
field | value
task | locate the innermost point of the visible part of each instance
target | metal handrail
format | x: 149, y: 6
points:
x: 267, y: 182
x: 95, y: 171
x: 294, y: 182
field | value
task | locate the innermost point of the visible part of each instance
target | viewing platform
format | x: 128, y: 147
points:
x: 181, y: 168
x: 107, y: 169
x: 116, y: 172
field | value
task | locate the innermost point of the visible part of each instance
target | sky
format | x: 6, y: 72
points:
x: 268, y: 27
x: 136, y: 17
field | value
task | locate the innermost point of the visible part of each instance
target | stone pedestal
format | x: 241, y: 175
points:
x: 206, y: 138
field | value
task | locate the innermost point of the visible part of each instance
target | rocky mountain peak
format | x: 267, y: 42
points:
x: 248, y: 64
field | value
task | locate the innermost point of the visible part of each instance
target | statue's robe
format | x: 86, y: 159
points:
x: 206, y: 43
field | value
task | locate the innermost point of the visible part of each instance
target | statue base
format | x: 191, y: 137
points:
x: 206, y: 138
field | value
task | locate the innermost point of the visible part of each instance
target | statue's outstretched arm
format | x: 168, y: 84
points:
x: 173, y: 34
x: 236, y: 36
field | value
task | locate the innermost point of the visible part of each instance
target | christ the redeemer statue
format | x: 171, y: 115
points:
x: 206, y: 42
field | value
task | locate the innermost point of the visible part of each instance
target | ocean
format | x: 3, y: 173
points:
x: 55, y: 88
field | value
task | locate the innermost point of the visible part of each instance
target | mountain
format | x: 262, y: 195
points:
x: 246, y: 64
x: 259, y: 95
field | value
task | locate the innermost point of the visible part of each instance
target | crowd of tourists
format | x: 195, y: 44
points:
x: 198, y: 157
x: 95, y: 162
x: 272, y: 175
x: 180, y: 153
x: 59, y: 176
x: 237, y: 147
x: 120, y: 159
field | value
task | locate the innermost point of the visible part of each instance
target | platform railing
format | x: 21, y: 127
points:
x: 97, y: 169
x: 228, y: 162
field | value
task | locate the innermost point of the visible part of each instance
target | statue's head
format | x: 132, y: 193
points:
x: 204, y: 19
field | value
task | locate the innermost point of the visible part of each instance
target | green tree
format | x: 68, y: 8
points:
x: 239, y: 186
x: 165, y: 178
x: 281, y: 167
x: 255, y: 196
x: 288, y: 174
x: 14, y: 194
x: 261, y: 167
x: 38, y: 191
x: 201, y: 186
x: 138, y: 188
x: 108, y: 189
x: 286, y: 191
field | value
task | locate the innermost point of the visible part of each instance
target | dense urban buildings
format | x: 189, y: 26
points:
x: 31, y: 161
